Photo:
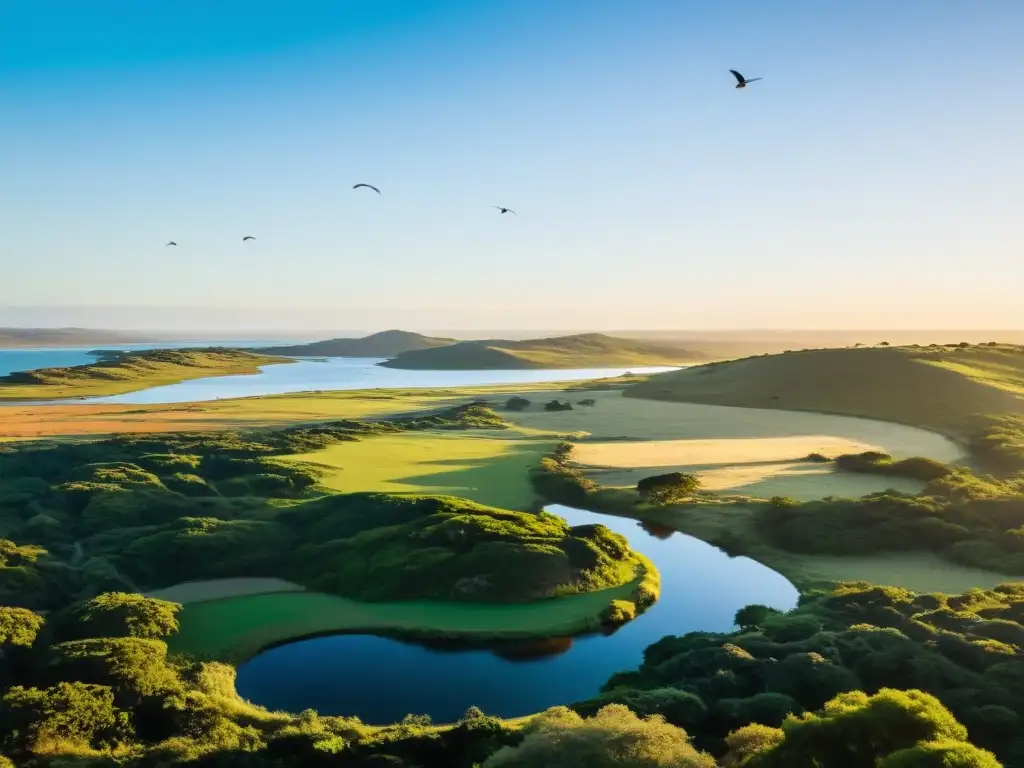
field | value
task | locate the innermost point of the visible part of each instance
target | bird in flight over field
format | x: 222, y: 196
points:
x: 505, y: 210
x: 741, y: 81
x: 368, y: 186
x: 248, y: 237
x: 171, y: 243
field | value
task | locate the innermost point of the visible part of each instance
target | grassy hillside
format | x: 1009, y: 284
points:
x: 130, y: 371
x: 939, y: 388
x: 588, y: 350
x: 383, y: 344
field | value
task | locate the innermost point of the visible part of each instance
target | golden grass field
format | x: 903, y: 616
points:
x: 488, y: 467
x: 936, y: 388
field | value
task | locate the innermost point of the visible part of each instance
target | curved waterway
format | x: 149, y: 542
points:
x: 339, y: 373
x: 381, y: 680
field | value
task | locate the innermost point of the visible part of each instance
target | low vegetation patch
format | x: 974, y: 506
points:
x: 588, y: 350
x: 121, y: 372
x: 876, y: 463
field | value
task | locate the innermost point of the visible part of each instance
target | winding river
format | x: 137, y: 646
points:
x: 381, y: 680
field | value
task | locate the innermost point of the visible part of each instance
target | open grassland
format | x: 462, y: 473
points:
x: 487, y: 467
x: 34, y: 421
x: 938, y: 388
x: 220, y: 589
x: 589, y: 350
x: 130, y: 372
x: 617, y: 417
x: 236, y: 628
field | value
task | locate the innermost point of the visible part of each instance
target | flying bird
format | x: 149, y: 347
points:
x: 369, y: 186
x: 741, y: 82
x: 171, y: 243
x: 505, y: 210
x: 248, y: 237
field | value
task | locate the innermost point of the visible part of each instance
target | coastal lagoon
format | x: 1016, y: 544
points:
x: 381, y: 680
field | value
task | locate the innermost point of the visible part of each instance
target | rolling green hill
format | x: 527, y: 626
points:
x: 588, y: 350
x: 940, y: 388
x: 383, y: 344
x: 115, y: 374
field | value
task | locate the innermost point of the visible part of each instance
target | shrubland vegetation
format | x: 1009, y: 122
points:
x: 860, y: 675
x: 669, y: 488
x: 837, y: 654
x: 129, y: 371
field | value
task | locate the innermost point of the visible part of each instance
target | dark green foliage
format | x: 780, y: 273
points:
x: 817, y: 458
x: 613, y: 738
x: 121, y: 614
x: 556, y: 479
x: 555, y: 405
x: 873, y: 462
x: 858, y: 637
x: 669, y: 488
x: 18, y: 626
x: 998, y: 443
x: 754, y: 616
x: 517, y: 404
x: 890, y: 728
x: 75, y: 711
x: 588, y: 402
x: 442, y: 548
x: 677, y: 707
x: 977, y: 521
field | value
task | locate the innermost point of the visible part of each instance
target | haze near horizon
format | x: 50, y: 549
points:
x: 872, y: 179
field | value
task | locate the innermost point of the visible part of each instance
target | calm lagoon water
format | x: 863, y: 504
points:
x: 335, y: 373
x: 381, y: 680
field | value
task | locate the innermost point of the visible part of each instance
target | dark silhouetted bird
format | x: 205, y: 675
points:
x: 368, y: 186
x: 741, y: 81
x: 505, y: 210
x: 248, y: 237
x: 171, y: 243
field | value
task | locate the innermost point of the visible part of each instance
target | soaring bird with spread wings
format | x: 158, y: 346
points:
x: 741, y: 81
x: 505, y: 210
x: 171, y: 243
x: 368, y: 186
x: 248, y: 237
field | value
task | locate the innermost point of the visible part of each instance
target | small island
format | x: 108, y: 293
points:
x: 383, y: 344
x: 585, y: 350
x: 116, y: 372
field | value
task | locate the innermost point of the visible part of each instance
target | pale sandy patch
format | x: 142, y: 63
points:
x: 217, y: 589
x: 624, y: 418
x: 725, y: 451
x: 742, y: 450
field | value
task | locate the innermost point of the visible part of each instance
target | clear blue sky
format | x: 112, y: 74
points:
x: 874, y: 177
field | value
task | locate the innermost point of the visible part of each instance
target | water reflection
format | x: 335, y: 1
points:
x: 380, y: 680
x: 657, y: 530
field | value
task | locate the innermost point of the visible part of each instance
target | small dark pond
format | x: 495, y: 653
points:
x: 381, y: 680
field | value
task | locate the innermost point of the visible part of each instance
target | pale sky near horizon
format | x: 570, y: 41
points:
x: 873, y: 178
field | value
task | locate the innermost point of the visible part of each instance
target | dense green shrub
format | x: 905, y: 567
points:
x: 669, y: 488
